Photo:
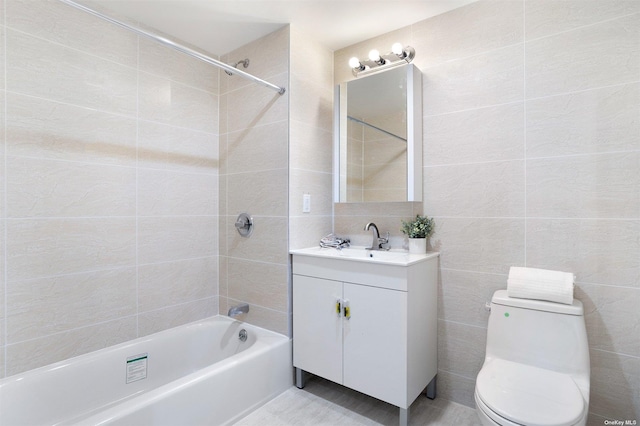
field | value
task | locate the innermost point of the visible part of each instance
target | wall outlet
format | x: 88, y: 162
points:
x: 306, y: 203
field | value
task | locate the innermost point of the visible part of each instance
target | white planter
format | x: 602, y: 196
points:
x: 417, y: 245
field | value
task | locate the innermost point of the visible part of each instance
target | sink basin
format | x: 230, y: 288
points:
x: 361, y: 254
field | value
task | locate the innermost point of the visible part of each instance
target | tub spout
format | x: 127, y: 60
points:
x: 234, y: 311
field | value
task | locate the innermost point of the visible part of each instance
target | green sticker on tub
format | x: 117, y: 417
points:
x: 506, y: 314
x: 136, y: 367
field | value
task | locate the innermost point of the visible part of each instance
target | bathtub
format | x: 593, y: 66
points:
x: 197, y: 374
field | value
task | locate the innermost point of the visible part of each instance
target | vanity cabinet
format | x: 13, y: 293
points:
x: 367, y: 324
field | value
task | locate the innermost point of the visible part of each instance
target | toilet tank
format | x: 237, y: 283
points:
x: 543, y: 334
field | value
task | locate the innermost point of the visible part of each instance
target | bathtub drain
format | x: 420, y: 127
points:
x: 242, y: 335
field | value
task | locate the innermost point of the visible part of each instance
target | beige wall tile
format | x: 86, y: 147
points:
x: 615, y: 385
x: 593, y: 121
x: 480, y: 27
x: 268, y: 57
x: 161, y: 146
x: 2, y: 348
x: 168, y: 102
x: 257, y: 148
x: 486, y: 79
x: 546, y: 17
x: 598, y: 55
x: 353, y: 227
x: 258, y: 283
x: 612, y: 317
x: 312, y: 104
x: 592, y: 186
x: 598, y: 251
x: 461, y: 348
x: 309, y: 59
x: 163, y: 239
x: 162, y: 192
x: 2, y: 277
x: 35, y: 353
x: 50, y: 188
x: 3, y: 55
x: 59, y: 23
x: 310, y: 147
x: 252, y: 106
x: 47, y: 129
x: 494, y: 189
x: 306, y: 231
x: 71, y: 76
x: 73, y: 124
x: 166, y: 62
x: 456, y: 388
x: 266, y: 318
x: 46, y: 306
x: 44, y: 247
x: 174, y: 316
x: 462, y: 295
x: 485, y: 134
x: 268, y: 243
x: 161, y: 285
x: 317, y: 185
x: 261, y: 193
x: 482, y: 245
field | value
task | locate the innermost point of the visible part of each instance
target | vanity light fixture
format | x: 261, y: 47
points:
x: 399, y: 55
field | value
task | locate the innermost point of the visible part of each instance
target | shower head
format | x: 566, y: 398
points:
x: 244, y: 62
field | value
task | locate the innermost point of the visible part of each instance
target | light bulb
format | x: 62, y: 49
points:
x: 397, y: 48
x: 374, y: 55
x: 354, y: 62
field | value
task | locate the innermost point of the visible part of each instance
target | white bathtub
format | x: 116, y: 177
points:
x: 196, y: 374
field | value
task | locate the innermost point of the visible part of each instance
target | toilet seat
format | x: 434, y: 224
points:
x: 529, y: 395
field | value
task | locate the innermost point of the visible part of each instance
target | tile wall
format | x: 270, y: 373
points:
x: 109, y: 201
x: 254, y: 174
x: 531, y: 157
x: 311, y: 140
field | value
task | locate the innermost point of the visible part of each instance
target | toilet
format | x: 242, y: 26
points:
x: 536, y: 370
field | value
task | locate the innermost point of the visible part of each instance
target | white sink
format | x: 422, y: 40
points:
x: 361, y: 254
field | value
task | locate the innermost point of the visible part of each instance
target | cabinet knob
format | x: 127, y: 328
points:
x: 347, y: 310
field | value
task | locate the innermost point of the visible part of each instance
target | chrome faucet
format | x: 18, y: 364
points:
x: 377, y: 242
x: 234, y: 311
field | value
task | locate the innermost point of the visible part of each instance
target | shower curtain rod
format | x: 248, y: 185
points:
x: 178, y: 47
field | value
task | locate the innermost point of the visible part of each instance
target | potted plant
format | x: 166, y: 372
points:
x: 418, y: 230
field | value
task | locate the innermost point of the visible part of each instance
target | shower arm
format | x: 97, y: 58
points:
x: 177, y: 46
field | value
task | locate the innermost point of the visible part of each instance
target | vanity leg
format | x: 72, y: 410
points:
x: 300, y: 378
x: 404, y: 416
x: 431, y: 388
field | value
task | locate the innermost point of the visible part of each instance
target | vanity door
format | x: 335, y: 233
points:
x: 375, y: 342
x: 317, y: 326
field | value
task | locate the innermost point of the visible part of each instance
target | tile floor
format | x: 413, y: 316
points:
x: 324, y: 403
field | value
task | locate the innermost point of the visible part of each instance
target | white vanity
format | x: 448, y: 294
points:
x: 367, y: 320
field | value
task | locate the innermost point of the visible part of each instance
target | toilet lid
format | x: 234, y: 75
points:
x: 529, y: 395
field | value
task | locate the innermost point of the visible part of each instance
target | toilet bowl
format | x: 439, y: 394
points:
x: 536, y: 370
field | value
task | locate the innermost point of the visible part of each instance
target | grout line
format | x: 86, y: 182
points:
x: 135, y: 67
x: 593, y: 24
x: 614, y: 353
x: 463, y: 323
x: 109, y: 112
x: 524, y: 119
x: 137, y: 264
x: 4, y: 329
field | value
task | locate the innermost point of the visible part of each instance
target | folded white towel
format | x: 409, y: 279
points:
x: 540, y: 284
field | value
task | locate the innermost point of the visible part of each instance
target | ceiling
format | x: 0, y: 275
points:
x: 220, y: 26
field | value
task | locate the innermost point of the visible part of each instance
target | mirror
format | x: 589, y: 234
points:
x: 378, y: 137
